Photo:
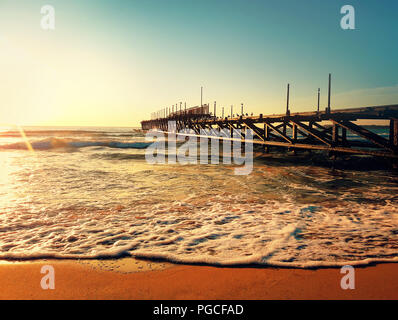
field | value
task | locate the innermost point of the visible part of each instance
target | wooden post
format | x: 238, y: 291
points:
x: 329, y: 92
x: 319, y: 97
x: 287, y: 103
x: 266, y: 135
x: 201, y: 96
x: 232, y: 110
x: 287, y: 107
x: 241, y: 111
x: 335, y: 134
x: 294, y: 135
x: 215, y: 104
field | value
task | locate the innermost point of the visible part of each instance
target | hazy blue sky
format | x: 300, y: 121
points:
x: 115, y: 62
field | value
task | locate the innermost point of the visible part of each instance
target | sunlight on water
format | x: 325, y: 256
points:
x: 90, y: 193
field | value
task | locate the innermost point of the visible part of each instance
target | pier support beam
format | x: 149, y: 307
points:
x: 344, y: 136
x: 394, y: 140
x: 394, y: 133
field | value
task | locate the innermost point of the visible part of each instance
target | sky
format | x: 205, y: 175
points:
x: 113, y: 63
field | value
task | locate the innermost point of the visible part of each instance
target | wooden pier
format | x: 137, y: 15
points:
x: 334, y: 131
x: 305, y: 130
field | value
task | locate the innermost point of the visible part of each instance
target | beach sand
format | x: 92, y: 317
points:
x: 129, y: 278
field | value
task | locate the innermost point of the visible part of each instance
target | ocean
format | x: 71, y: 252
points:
x: 90, y: 193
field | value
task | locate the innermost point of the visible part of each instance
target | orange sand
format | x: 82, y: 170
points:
x: 74, y: 280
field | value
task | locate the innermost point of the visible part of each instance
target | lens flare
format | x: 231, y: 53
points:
x: 25, y: 139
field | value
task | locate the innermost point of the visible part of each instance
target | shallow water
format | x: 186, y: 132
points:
x: 89, y: 192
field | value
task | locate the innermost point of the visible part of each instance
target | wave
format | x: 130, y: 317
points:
x: 63, y: 133
x: 57, y: 143
x: 256, y: 260
x: 118, y: 156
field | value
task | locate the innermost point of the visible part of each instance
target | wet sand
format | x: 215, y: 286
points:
x: 134, y: 279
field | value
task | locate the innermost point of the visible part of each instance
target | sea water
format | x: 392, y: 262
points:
x: 90, y: 193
